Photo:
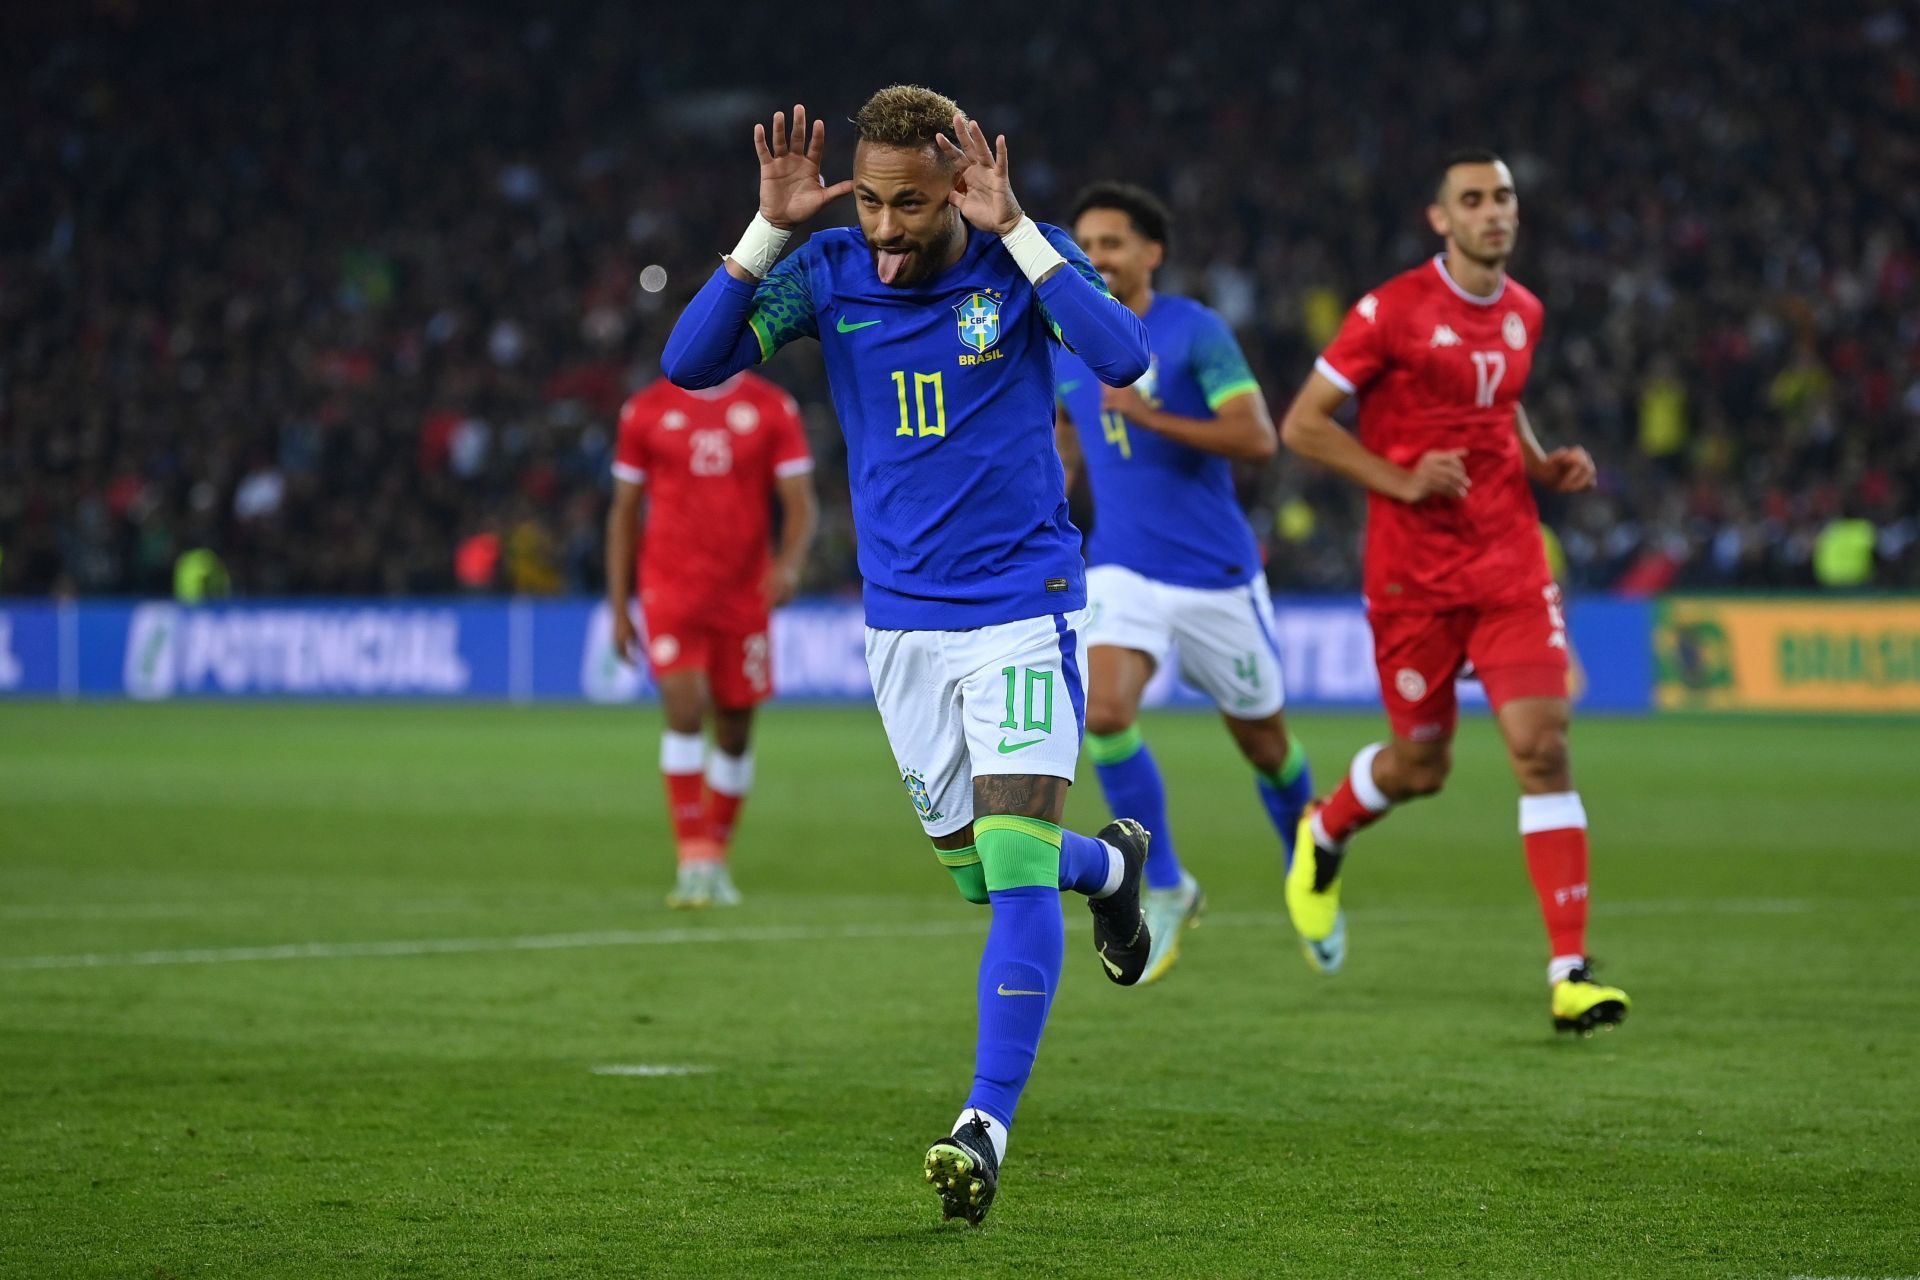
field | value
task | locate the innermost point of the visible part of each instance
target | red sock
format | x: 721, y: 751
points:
x: 1351, y: 808
x: 728, y: 780
x: 723, y: 811
x: 1554, y: 830
x: 686, y: 798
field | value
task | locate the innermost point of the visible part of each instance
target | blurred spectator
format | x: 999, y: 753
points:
x: 326, y: 289
x: 199, y: 576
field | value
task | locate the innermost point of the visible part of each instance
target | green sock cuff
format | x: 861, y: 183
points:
x: 1036, y: 828
x: 968, y: 875
x: 969, y: 856
x: 1290, y: 767
x: 1112, y: 748
x: 1018, y: 853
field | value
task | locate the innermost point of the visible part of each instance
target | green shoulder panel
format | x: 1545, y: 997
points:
x: 783, y: 306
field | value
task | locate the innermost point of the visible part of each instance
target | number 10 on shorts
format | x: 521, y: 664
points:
x: 1038, y: 687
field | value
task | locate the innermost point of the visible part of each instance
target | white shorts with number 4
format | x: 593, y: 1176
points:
x: 1225, y: 634
x: 959, y: 704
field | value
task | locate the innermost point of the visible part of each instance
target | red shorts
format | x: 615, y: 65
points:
x: 1518, y: 650
x: 737, y: 663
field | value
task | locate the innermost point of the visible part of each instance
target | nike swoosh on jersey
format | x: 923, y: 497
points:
x: 841, y: 325
x: 1008, y: 748
x: 1002, y: 990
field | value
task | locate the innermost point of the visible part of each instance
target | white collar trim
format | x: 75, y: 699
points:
x: 1440, y: 268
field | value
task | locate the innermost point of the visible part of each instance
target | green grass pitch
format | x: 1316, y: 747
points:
x: 353, y: 970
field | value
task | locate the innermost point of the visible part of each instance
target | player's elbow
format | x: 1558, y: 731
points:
x: 1124, y: 370
x: 687, y: 366
x: 1297, y: 431
x: 1261, y: 443
x: 684, y: 372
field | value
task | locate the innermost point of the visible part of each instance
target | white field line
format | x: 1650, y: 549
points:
x: 650, y: 1069
x: 951, y: 927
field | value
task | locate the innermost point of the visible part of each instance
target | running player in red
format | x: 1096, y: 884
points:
x: 715, y: 460
x: 1455, y: 573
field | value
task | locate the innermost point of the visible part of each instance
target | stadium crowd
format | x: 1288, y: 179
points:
x: 350, y: 295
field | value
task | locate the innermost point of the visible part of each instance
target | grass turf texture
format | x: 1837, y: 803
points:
x: 1756, y: 885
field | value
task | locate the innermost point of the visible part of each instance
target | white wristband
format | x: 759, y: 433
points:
x: 760, y: 247
x: 1031, y: 250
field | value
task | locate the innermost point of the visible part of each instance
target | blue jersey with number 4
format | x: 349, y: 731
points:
x: 1163, y: 509
x: 945, y: 395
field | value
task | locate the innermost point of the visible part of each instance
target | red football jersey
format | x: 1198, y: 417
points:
x: 1434, y: 367
x: 709, y: 460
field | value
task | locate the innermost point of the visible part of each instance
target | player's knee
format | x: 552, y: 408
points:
x: 1108, y: 715
x: 1541, y: 754
x: 1265, y: 750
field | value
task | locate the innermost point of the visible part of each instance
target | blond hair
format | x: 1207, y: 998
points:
x: 905, y: 115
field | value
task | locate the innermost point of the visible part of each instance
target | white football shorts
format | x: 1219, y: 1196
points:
x: 960, y: 704
x: 1224, y: 635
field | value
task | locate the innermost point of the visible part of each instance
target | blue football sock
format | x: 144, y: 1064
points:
x: 1083, y: 863
x: 1131, y: 781
x: 1019, y: 972
x: 1286, y: 793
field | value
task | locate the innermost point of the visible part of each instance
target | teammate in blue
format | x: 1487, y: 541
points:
x: 1173, y: 562
x: 939, y: 318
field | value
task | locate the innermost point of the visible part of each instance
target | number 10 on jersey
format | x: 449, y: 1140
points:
x: 934, y: 426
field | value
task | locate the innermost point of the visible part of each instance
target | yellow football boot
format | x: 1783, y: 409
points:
x: 1313, y: 899
x: 1580, y: 1004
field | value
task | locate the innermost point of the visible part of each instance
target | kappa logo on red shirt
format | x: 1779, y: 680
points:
x: 1369, y: 308
x: 1444, y: 336
x: 673, y: 420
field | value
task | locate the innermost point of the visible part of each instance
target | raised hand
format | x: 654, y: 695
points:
x: 791, y: 188
x: 981, y: 190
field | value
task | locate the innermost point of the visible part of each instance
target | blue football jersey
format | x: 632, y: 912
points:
x: 944, y: 392
x: 1166, y: 510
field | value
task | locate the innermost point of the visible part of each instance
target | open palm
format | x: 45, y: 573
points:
x: 791, y: 188
x: 981, y: 189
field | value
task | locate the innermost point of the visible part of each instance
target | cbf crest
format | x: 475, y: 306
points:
x: 922, y: 799
x: 978, y: 315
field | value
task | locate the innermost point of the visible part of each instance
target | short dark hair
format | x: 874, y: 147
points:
x: 1462, y: 155
x: 1143, y: 209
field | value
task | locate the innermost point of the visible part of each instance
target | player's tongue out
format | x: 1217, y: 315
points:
x: 891, y: 262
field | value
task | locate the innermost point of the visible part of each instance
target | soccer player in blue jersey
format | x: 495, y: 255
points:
x: 1173, y: 563
x: 939, y: 317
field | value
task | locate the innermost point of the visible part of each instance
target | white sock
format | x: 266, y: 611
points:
x: 1560, y: 968
x: 682, y: 752
x: 1365, y: 789
x: 1116, y: 872
x: 730, y: 775
x: 996, y: 1132
x: 1556, y: 811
